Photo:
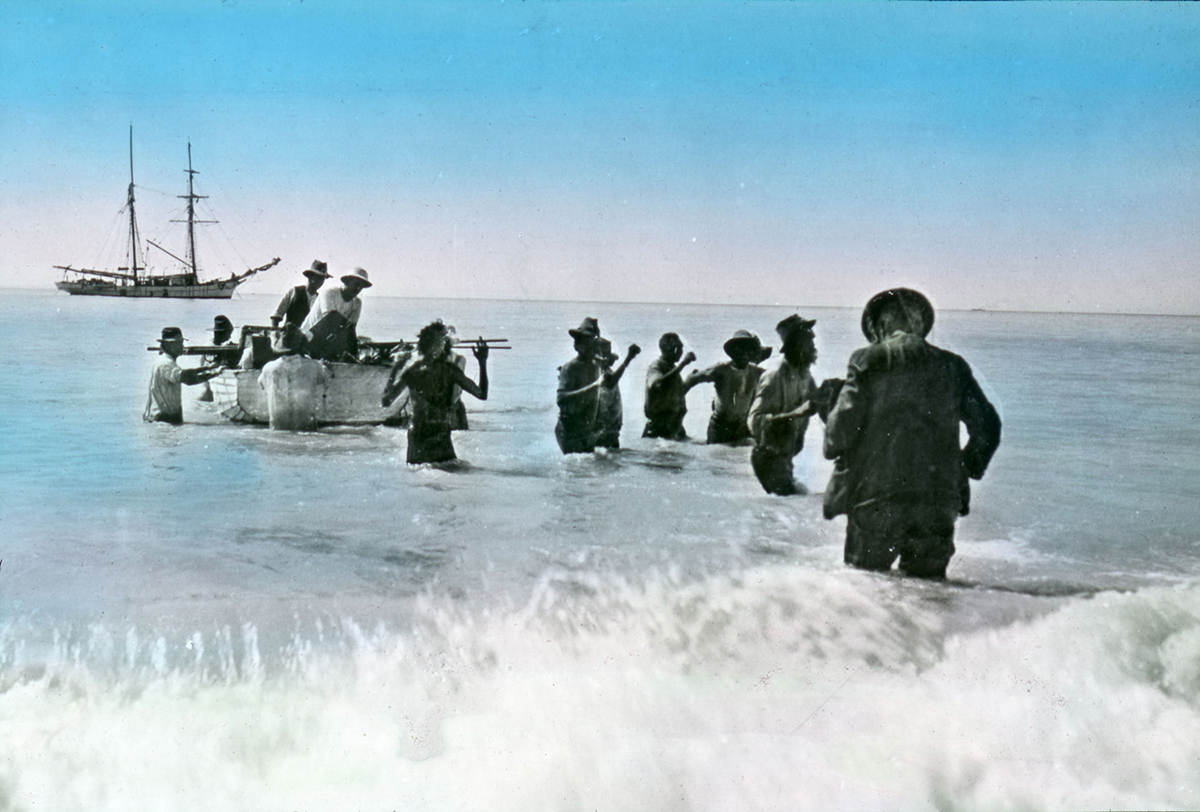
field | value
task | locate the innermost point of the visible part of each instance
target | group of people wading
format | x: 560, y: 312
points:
x: 901, y: 475
x: 892, y: 425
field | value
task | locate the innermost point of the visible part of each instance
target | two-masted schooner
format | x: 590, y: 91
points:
x: 135, y: 279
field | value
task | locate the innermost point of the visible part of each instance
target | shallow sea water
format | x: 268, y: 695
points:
x: 235, y: 618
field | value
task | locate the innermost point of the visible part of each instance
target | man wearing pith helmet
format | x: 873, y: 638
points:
x: 901, y: 475
x: 332, y: 324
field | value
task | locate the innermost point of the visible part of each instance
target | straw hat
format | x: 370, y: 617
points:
x: 914, y: 304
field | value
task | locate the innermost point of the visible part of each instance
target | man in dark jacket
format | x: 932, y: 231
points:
x: 296, y: 303
x: 901, y: 476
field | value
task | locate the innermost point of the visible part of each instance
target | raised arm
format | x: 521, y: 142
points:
x: 612, y: 378
x: 479, y: 390
x: 653, y: 385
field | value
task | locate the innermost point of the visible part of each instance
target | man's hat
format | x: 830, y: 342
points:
x: 915, y: 305
x: 171, y: 334
x: 747, y: 342
x: 221, y: 323
x: 794, y: 324
x: 319, y: 269
x: 606, y: 354
x: 290, y: 340
x: 359, y: 274
x: 588, y: 328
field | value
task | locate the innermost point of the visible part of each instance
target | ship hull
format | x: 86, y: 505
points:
x: 222, y: 289
x: 350, y: 397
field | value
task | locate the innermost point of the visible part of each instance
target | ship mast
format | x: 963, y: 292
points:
x: 191, y: 197
x: 133, y: 232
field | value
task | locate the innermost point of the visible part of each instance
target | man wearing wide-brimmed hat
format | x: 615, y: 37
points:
x: 784, y: 400
x: 901, y: 475
x: 331, y: 326
x: 578, y: 396
x: 734, y: 381
x: 165, y: 401
x: 229, y: 353
x: 295, y: 304
x: 610, y: 413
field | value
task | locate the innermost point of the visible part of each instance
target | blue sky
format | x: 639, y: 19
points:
x: 1010, y: 155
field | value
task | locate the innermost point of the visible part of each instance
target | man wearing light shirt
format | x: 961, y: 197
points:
x: 331, y: 325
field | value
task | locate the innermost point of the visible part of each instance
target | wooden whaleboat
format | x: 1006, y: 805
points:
x: 136, y: 280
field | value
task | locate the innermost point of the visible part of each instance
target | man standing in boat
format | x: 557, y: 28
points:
x: 431, y: 379
x: 165, y: 401
x: 331, y: 325
x: 295, y: 304
x: 901, y: 473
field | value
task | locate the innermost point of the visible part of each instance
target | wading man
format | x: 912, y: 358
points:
x: 785, y: 398
x: 578, y: 395
x: 735, y: 381
x: 666, y: 390
x: 431, y: 379
x: 901, y: 475
x: 165, y: 401
x: 609, y: 411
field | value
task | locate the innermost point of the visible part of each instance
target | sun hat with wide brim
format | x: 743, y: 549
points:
x: 745, y: 341
x: 171, y: 334
x: 359, y: 275
x: 915, y: 305
x: 588, y: 328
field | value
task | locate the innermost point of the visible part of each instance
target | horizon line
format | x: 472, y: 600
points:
x: 689, y: 304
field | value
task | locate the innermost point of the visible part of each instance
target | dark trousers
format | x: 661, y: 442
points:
x: 430, y: 443
x: 575, y: 439
x: 774, y: 471
x: 724, y: 430
x: 921, y: 535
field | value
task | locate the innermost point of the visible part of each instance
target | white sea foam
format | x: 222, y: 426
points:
x: 775, y: 688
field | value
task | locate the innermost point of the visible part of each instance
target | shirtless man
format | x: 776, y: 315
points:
x: 666, y: 403
x: 734, y: 381
x: 430, y: 379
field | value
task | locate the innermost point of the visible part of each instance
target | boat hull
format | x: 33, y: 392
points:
x: 222, y: 289
x: 350, y: 397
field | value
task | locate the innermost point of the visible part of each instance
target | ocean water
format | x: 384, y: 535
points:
x: 230, y: 618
